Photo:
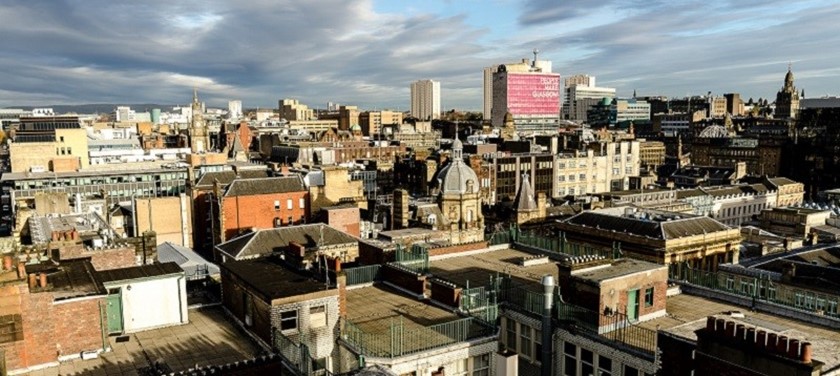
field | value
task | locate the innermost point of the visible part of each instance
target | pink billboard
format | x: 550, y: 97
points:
x: 533, y: 94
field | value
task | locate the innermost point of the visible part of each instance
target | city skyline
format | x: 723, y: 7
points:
x: 366, y: 53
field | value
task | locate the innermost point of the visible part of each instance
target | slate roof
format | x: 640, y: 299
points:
x: 525, y: 197
x: 657, y: 225
x: 70, y: 279
x: 226, y: 177
x: 267, y: 241
x: 137, y: 272
x: 264, y: 186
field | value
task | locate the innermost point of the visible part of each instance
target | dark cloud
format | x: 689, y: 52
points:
x: 70, y: 51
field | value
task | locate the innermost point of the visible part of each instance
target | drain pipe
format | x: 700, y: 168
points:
x: 547, y: 330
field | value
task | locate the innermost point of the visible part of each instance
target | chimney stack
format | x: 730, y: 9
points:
x: 805, y: 354
x: 43, y: 280
x: 33, y: 281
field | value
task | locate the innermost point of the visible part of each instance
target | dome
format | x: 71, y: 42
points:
x: 356, y: 127
x: 457, y: 144
x: 457, y: 178
x: 789, y: 78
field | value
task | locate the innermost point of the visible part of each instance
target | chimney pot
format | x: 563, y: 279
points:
x: 7, y: 262
x: 793, y: 349
x: 21, y: 268
x: 710, y: 324
x: 33, y: 281
x: 43, y: 280
x: 782, y: 345
x: 751, y: 335
x: 805, y: 354
x: 740, y: 332
x: 761, y: 339
x: 730, y: 329
x: 772, y: 338
x: 720, y: 327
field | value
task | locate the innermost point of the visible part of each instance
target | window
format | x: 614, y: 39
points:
x: 630, y: 371
x: 318, y: 316
x: 511, y: 334
x: 11, y: 328
x: 586, y: 362
x: 288, y: 320
x: 525, y: 341
x: 730, y: 283
x: 278, y: 222
x: 276, y: 204
x: 604, y: 366
x: 746, y: 288
x: 537, y: 345
x: 457, y: 368
x: 569, y: 359
x: 302, y: 203
x: 289, y: 204
x: 481, y: 365
x: 649, y: 297
x: 582, y: 177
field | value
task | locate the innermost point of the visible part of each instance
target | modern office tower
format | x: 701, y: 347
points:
x: 425, y: 99
x: 529, y: 92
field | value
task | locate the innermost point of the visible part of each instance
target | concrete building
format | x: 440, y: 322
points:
x: 292, y: 109
x: 425, y: 99
x: 628, y: 110
x: 372, y: 122
x: 651, y: 154
x: 171, y: 218
x: 56, y: 144
x: 580, y: 95
x: 796, y: 223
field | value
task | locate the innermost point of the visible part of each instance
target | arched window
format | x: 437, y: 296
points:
x: 469, y: 215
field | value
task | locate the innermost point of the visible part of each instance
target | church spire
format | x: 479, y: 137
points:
x: 195, y: 95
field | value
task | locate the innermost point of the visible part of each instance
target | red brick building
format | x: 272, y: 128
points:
x: 262, y: 204
x: 50, y: 312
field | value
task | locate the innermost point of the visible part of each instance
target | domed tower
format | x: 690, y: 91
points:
x: 787, y: 99
x: 459, y: 198
x: 508, y: 128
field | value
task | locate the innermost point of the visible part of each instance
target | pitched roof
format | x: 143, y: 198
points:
x: 264, y: 186
x: 525, y: 197
x: 267, y: 241
x: 652, y: 224
x: 227, y: 176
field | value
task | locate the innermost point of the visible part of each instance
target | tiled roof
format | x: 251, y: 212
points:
x: 263, y: 186
x: 267, y: 241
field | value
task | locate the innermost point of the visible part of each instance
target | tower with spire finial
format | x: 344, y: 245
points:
x: 199, y: 137
x: 787, y: 99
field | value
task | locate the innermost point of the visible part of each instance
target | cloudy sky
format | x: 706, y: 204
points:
x: 366, y: 52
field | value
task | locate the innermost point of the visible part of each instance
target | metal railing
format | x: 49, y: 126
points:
x: 362, y: 274
x: 415, y: 259
x: 401, y: 339
x: 759, y: 288
x: 614, y: 327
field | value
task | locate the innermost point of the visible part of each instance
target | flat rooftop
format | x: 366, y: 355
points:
x: 617, y: 268
x: 377, y: 310
x: 687, y: 313
x: 268, y: 277
x: 478, y: 268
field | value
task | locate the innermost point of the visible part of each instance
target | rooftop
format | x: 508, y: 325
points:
x: 270, y: 278
x: 618, y: 268
x: 138, y: 272
x: 226, y: 177
x: 263, y: 186
x: 68, y: 280
x: 476, y: 269
x: 655, y: 224
x: 267, y: 241
x: 687, y: 313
